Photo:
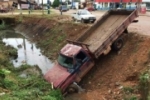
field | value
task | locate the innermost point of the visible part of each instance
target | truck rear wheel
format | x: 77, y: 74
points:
x: 72, y: 88
x: 118, y: 44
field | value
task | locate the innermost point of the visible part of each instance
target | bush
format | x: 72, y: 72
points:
x: 55, y: 3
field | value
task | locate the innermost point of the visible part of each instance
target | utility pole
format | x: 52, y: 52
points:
x: 120, y: 3
x: 42, y: 8
x: 138, y: 5
x: 61, y: 7
x: 20, y: 7
x: 29, y: 8
x: 48, y: 6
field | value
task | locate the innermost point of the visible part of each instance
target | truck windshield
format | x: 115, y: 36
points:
x: 65, y: 61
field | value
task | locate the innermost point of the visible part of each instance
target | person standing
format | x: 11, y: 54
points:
x: 60, y: 8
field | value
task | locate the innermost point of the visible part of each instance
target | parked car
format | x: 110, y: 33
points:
x: 91, y: 9
x: 63, y: 8
x: 83, y: 16
x: 4, y: 10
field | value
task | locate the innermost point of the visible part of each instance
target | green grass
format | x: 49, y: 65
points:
x: 29, y: 87
x: 128, y: 89
x: 144, y: 85
x: 16, y: 87
x: 3, y: 25
x: 53, y: 42
x: 133, y: 97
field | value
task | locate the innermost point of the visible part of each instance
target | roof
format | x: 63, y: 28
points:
x: 70, y: 50
x: 26, y: 1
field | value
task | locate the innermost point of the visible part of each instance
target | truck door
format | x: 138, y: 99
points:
x: 84, y: 64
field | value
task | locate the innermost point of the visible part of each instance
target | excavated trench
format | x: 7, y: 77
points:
x: 28, y: 53
x: 1, y: 21
x: 31, y: 32
x: 109, y: 78
x: 7, y: 21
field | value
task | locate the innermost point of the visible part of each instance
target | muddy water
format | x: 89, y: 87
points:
x: 28, y: 53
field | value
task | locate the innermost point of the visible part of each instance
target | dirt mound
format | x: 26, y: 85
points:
x: 117, y: 72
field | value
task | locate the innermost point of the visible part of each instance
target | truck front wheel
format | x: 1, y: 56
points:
x: 73, y: 88
x: 118, y: 44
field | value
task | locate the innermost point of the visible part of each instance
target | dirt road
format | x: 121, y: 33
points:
x: 142, y: 27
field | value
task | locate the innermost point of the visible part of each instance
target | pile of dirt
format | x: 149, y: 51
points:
x: 118, y: 72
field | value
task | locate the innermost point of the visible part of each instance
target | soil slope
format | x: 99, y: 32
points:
x: 118, y: 72
x: 112, y: 75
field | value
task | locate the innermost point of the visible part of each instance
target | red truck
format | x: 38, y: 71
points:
x: 77, y: 57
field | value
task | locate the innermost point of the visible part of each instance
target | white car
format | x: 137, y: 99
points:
x: 83, y: 16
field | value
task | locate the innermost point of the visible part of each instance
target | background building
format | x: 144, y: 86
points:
x: 108, y: 4
x: 146, y: 3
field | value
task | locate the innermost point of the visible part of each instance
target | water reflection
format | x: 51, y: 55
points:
x: 28, y: 53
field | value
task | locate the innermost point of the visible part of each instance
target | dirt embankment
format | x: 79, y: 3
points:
x: 115, y: 76
x: 50, y: 33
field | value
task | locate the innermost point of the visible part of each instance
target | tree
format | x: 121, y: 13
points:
x: 56, y: 3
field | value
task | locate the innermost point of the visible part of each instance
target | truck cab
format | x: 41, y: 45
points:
x: 72, y: 64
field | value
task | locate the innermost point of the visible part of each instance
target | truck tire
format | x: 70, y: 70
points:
x: 82, y: 20
x: 117, y: 45
x: 72, y: 88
